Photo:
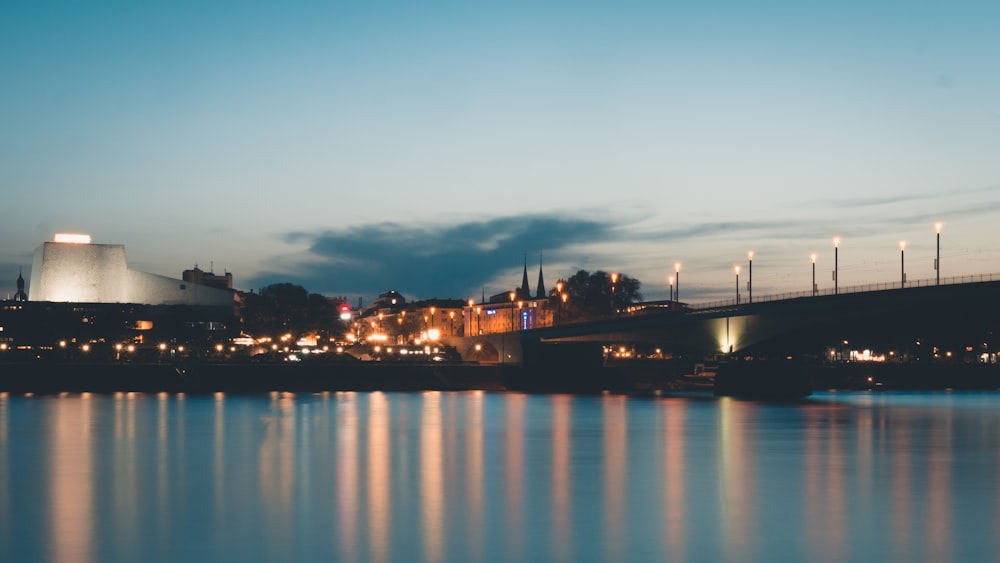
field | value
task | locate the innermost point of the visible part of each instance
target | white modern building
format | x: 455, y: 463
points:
x: 71, y: 269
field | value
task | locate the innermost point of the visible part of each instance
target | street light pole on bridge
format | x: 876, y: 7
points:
x: 750, y: 278
x: 836, y: 265
x: 937, y: 260
x: 677, y: 278
x: 902, y: 263
x: 736, y: 269
x: 814, y: 275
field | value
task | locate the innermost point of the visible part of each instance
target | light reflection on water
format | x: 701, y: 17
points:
x: 435, y: 476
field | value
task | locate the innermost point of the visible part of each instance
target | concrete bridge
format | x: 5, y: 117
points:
x: 959, y: 316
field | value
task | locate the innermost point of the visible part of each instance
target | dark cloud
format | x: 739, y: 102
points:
x: 433, y: 260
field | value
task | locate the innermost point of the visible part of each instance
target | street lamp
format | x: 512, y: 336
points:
x: 560, y: 299
x: 512, y: 296
x: 814, y: 275
x: 937, y: 260
x: 902, y: 263
x: 750, y: 277
x: 736, y: 269
x: 836, y: 265
x: 614, y: 280
x: 670, y: 280
x: 677, y: 279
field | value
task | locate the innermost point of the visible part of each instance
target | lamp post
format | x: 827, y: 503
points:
x: 836, y: 265
x: 468, y: 332
x: 750, y: 277
x: 814, y: 275
x: 677, y: 279
x: 559, y: 300
x: 614, y: 280
x: 670, y: 281
x: 479, y: 320
x: 736, y: 269
x: 512, y: 296
x: 902, y: 263
x: 937, y: 259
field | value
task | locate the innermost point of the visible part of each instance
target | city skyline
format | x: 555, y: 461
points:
x: 427, y: 149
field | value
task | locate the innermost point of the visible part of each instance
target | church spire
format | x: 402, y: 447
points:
x: 540, y: 292
x: 20, y: 295
x: 525, y: 290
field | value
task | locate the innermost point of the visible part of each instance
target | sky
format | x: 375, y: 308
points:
x: 432, y: 147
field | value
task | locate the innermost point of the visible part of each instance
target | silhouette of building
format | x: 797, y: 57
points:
x: 211, y: 279
x: 20, y: 296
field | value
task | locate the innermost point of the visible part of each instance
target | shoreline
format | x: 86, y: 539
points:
x: 54, y: 377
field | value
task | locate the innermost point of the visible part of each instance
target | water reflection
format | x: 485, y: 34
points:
x: 379, y: 477
x: 348, y: 484
x: 615, y: 471
x: 514, y: 418
x: 562, y: 506
x: 475, y: 481
x: 674, y: 414
x: 497, y: 477
x: 71, y: 475
x: 431, y: 478
x: 736, y: 496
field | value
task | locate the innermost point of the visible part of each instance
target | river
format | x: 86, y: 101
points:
x: 473, y: 476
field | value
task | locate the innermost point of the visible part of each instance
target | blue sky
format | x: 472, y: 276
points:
x: 356, y: 147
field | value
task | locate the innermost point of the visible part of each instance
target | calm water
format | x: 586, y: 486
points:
x: 499, y: 477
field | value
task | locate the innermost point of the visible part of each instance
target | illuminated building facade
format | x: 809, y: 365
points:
x: 511, y: 311
x: 71, y: 269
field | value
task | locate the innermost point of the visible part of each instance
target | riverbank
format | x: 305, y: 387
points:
x: 105, y: 377
x: 742, y: 378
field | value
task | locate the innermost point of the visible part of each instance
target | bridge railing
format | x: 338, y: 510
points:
x: 847, y: 289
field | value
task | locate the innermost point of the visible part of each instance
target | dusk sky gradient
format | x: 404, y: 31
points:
x: 426, y: 147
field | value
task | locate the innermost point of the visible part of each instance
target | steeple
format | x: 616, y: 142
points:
x: 525, y: 291
x: 540, y: 292
x: 20, y: 295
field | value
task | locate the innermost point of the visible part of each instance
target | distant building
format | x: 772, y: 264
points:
x: 211, y: 279
x: 73, y: 270
x: 84, y: 298
x: 512, y: 310
x: 20, y: 296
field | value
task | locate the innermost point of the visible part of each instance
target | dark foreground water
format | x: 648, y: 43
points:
x: 499, y: 477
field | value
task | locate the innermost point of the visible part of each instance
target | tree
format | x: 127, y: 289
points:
x: 594, y: 294
x: 288, y: 308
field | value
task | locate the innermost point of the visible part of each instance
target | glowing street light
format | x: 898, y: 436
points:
x: 814, y: 274
x: 513, y: 295
x: 937, y: 259
x: 902, y: 263
x: 750, y: 277
x: 614, y: 280
x: 670, y: 280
